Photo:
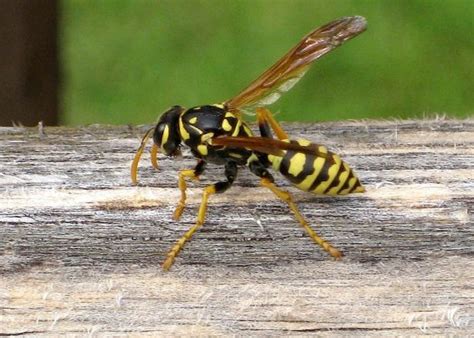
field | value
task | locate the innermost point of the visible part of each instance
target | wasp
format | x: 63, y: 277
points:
x: 218, y: 134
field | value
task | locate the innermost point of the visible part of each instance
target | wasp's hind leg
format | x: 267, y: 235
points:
x: 183, y: 174
x: 219, y: 187
x: 266, y: 121
x: 267, y: 181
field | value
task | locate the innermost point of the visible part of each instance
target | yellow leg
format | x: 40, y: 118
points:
x: 171, y: 256
x: 183, y: 174
x: 265, y: 116
x: 193, y: 174
x: 285, y: 196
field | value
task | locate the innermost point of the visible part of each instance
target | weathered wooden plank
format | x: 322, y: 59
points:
x: 81, y: 247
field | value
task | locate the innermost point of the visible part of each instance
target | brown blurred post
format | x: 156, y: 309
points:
x: 29, y: 62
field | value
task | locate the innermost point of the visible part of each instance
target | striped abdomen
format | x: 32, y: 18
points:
x: 319, y: 171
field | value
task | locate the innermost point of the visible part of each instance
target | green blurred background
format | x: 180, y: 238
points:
x: 127, y: 61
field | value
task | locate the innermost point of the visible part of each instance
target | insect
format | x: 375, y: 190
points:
x: 218, y: 134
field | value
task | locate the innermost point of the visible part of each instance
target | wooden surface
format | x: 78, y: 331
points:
x: 81, y: 247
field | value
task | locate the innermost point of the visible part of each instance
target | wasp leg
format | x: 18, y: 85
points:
x: 267, y: 181
x: 219, y: 187
x: 285, y: 196
x: 183, y: 174
x: 265, y: 121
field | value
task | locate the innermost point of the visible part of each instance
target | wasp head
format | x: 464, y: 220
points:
x: 166, y: 135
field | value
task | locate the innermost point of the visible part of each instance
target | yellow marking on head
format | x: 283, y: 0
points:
x: 226, y: 125
x: 166, y: 134
x: 183, y: 132
x: 229, y: 114
x: 297, y: 162
x: 206, y: 137
x: 202, y: 149
x: 193, y: 120
x: 218, y: 105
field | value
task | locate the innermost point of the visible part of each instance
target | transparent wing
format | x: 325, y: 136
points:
x: 287, y: 71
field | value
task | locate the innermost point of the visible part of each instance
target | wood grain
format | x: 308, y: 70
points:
x: 81, y: 247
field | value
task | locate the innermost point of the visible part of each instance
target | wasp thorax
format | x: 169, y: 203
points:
x: 166, y: 135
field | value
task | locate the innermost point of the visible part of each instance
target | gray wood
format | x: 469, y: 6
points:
x: 81, y: 247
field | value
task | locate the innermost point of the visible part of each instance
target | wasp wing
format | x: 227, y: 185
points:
x: 268, y: 145
x: 287, y: 71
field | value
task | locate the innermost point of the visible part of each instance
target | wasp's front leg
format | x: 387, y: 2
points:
x: 183, y: 174
x: 219, y: 187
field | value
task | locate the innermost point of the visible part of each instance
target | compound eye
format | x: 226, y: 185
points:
x: 158, y: 134
x: 165, y: 138
x: 166, y: 135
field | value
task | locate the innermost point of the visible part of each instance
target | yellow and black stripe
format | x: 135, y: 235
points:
x: 321, y: 173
